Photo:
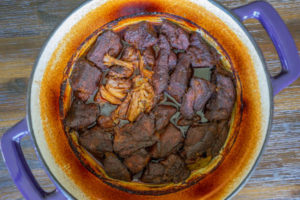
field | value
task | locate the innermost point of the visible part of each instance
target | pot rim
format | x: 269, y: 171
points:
x: 217, y: 4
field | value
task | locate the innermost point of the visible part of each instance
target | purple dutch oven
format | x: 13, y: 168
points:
x: 262, y: 11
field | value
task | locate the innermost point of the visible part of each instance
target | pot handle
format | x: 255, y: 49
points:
x: 18, y: 167
x: 281, y: 38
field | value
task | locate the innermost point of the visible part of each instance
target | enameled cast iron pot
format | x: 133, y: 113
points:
x: 256, y: 99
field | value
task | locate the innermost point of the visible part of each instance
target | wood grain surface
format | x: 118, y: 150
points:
x: 24, y: 27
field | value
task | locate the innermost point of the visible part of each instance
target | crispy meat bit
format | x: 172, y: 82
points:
x: 172, y: 169
x: 120, y: 72
x: 175, y: 169
x: 107, y: 43
x: 84, y: 79
x: 140, y: 35
x: 96, y: 141
x: 137, y: 161
x: 154, y: 173
x: 220, y: 105
x: 115, y: 168
x: 178, y: 38
x: 161, y: 69
x: 202, y: 55
x: 199, y: 139
x: 135, y: 136
x: 163, y: 115
x: 105, y: 122
x: 149, y: 57
x: 196, y: 97
x: 170, y: 141
x: 81, y: 115
x: 180, y: 78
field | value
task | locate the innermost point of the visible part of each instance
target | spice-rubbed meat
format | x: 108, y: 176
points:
x: 202, y: 55
x: 172, y: 169
x: 163, y: 115
x: 96, y: 141
x: 115, y: 168
x: 172, y: 61
x: 175, y: 169
x: 220, y: 137
x: 203, y: 91
x: 81, y: 115
x: 178, y: 38
x: 170, y: 141
x: 137, y: 161
x: 161, y: 69
x: 119, y: 72
x: 196, y: 97
x: 220, y: 105
x: 107, y: 43
x: 149, y: 57
x: 105, y: 122
x: 198, y: 140
x: 135, y: 136
x: 84, y: 79
x: 187, y: 106
x: 141, y: 35
x: 155, y: 115
x: 153, y: 173
x: 180, y: 78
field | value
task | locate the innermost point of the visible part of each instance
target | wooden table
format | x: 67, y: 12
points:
x: 24, y: 27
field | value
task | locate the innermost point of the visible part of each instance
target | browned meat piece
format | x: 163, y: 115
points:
x: 115, y: 168
x: 149, y: 57
x: 84, y: 79
x: 130, y: 54
x: 154, y: 173
x: 196, y: 97
x: 172, y: 169
x: 107, y: 43
x: 137, y: 161
x: 162, y: 115
x: 180, y: 78
x: 170, y: 141
x: 198, y: 140
x: 105, y: 122
x: 220, y: 105
x: 161, y: 70
x: 140, y: 35
x: 201, y: 53
x: 187, y: 106
x: 119, y: 72
x: 175, y: 169
x: 96, y: 141
x: 203, y: 91
x: 220, y: 137
x: 178, y: 38
x: 135, y: 136
x: 172, y: 61
x: 81, y: 115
